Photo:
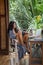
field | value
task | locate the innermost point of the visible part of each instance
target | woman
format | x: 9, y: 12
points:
x: 15, y: 33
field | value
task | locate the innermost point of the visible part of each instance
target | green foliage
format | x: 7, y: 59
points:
x: 24, y: 12
x: 37, y: 24
x: 37, y: 7
x: 18, y: 10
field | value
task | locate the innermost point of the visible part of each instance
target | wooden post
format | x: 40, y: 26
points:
x: 3, y: 26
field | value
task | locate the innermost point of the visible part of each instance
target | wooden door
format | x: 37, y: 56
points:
x: 3, y: 26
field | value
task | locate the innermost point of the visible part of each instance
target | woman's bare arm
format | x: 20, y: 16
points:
x: 20, y: 37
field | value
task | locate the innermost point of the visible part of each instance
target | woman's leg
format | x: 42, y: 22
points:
x: 21, y: 51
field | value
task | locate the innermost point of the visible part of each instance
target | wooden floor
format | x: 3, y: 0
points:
x: 4, y: 60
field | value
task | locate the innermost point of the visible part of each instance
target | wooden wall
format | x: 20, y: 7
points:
x: 3, y: 26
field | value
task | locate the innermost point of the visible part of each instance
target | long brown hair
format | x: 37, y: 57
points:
x: 11, y: 25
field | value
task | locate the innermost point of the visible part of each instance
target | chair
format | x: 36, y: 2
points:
x: 14, y: 52
x: 11, y: 45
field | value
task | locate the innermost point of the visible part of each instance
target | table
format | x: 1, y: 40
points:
x: 36, y: 51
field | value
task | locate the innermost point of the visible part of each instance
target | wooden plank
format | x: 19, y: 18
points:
x: 4, y: 60
x: 2, y: 10
x: 36, y: 58
x: 36, y: 64
x: 3, y: 33
x: 0, y: 32
x: 7, y: 22
x: 4, y: 47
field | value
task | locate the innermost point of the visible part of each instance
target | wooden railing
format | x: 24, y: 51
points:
x: 36, y: 52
